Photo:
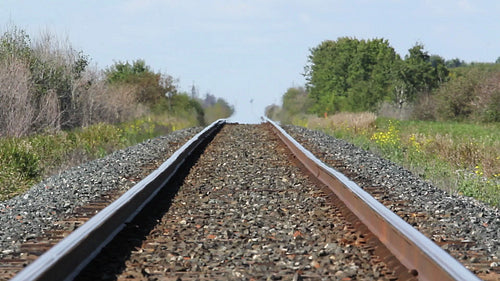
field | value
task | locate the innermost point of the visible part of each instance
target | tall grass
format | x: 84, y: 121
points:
x: 25, y: 161
x: 458, y: 157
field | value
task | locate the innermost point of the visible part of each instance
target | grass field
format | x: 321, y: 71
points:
x: 458, y: 157
x: 25, y: 161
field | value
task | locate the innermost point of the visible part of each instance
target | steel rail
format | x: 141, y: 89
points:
x: 67, y: 258
x: 414, y: 250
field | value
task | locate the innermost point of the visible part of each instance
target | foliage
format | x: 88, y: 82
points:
x: 56, y: 111
x: 27, y: 160
x: 159, y: 93
x: 296, y: 101
x: 458, y: 157
x: 48, y: 71
x: 182, y: 105
x: 349, y: 74
x: 15, y: 43
x: 272, y: 112
x: 216, y: 108
x: 48, y: 86
x: 418, y: 74
x: 472, y: 93
x: 150, y: 87
x: 456, y: 62
x: 358, y: 75
x: 55, y: 68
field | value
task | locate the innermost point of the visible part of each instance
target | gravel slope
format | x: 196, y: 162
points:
x: 26, y: 216
x: 455, y: 222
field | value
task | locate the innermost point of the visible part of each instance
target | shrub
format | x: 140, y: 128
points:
x: 219, y: 109
x: 474, y: 94
x: 16, y: 108
x: 41, y: 76
x: 21, y: 157
x: 100, y: 102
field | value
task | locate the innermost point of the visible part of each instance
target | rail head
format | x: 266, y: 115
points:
x: 70, y: 255
x: 412, y: 248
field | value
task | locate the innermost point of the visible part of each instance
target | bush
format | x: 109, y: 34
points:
x: 219, y: 109
x: 473, y: 94
x: 24, y: 161
x: 100, y: 102
x: 16, y: 109
x: 48, y: 86
x: 41, y: 75
x: 21, y: 157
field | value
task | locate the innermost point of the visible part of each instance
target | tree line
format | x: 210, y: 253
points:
x: 46, y: 85
x: 355, y: 75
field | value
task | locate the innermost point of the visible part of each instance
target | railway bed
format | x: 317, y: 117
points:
x: 247, y: 210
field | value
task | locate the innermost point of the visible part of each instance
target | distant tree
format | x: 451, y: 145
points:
x: 296, y: 100
x: 440, y: 70
x: 418, y: 73
x: 272, y: 111
x: 456, y: 62
x: 209, y: 100
x: 151, y: 86
x: 217, y: 110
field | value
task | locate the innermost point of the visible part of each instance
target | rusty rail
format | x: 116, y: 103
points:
x: 414, y: 250
x: 67, y: 258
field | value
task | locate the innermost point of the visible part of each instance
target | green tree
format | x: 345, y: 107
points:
x: 456, y: 62
x: 418, y: 73
x: 296, y: 100
x: 151, y: 86
x: 216, y: 110
x: 15, y: 43
x: 349, y: 74
x: 184, y: 106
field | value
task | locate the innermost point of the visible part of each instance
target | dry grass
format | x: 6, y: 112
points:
x: 16, y: 110
x: 101, y: 102
x: 357, y: 122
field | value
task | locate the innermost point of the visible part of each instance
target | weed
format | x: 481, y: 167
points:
x: 25, y: 161
x: 457, y: 157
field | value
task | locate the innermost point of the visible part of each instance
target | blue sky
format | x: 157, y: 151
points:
x: 253, y: 49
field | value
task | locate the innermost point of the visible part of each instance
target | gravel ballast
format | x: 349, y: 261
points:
x: 26, y: 216
x: 466, y: 228
x: 244, y: 212
x: 457, y: 223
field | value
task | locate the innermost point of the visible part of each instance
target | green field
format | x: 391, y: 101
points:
x: 458, y: 157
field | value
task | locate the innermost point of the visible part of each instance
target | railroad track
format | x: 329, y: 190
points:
x: 241, y: 212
